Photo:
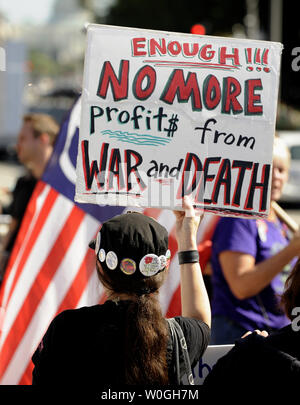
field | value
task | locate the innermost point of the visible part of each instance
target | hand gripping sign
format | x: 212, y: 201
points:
x: 166, y: 115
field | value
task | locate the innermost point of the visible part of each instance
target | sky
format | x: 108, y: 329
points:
x: 26, y: 11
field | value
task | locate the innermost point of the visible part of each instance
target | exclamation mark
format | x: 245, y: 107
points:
x: 257, y: 59
x: 261, y: 58
x: 257, y: 56
x: 248, y: 54
x: 265, y: 56
x: 265, y: 59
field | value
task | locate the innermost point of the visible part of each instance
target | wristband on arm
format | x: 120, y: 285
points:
x: 188, y: 256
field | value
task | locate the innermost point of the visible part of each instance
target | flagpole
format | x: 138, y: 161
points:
x: 283, y: 215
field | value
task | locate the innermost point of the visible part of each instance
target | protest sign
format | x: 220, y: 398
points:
x: 166, y: 115
x: 211, y: 355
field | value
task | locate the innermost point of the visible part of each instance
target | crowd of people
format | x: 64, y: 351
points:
x: 255, y: 290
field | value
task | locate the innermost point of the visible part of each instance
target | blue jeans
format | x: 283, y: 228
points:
x: 224, y: 330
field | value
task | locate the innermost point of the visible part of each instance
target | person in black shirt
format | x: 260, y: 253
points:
x: 268, y: 364
x: 20, y: 197
x: 34, y: 147
x: 127, y: 339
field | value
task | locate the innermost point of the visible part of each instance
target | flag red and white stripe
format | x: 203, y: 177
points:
x: 48, y: 274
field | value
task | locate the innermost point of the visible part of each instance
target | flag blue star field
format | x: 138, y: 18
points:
x: 51, y: 268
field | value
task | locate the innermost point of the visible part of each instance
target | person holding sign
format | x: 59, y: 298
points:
x: 127, y: 340
x: 251, y: 260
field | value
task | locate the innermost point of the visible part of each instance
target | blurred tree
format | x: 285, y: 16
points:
x: 42, y: 64
x: 177, y: 15
x: 86, y: 4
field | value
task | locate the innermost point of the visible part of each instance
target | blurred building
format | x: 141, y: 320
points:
x: 44, y: 63
x: 61, y: 44
x: 12, y: 83
x: 63, y: 38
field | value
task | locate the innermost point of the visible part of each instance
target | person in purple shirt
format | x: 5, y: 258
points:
x: 251, y: 260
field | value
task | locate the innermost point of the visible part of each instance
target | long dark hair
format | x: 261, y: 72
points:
x: 291, y: 297
x: 146, y: 336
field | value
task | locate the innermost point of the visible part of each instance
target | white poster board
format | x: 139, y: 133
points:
x: 211, y: 355
x: 166, y: 115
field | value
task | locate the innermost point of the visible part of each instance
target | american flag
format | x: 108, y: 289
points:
x: 51, y: 268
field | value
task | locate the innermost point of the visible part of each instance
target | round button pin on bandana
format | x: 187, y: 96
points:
x: 128, y: 266
x: 149, y: 265
x: 97, y: 245
x: 111, y: 260
x: 163, y: 262
x: 168, y: 257
x: 101, y: 255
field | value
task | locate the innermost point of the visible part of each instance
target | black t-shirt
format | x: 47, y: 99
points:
x: 255, y: 363
x: 21, y: 195
x: 286, y: 340
x: 85, y: 346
